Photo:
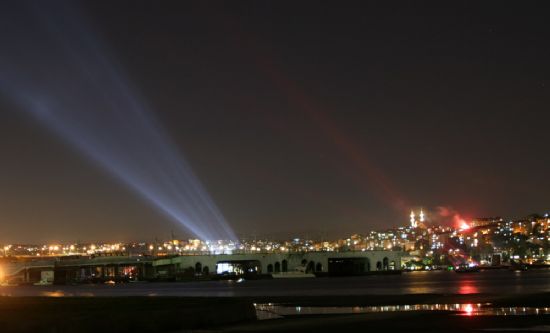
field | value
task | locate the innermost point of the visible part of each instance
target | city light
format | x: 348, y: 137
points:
x: 468, y: 309
x: 425, y: 245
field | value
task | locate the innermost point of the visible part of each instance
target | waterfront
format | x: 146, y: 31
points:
x: 427, y: 301
x: 436, y: 282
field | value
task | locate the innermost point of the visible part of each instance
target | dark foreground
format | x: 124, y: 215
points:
x: 418, y: 321
x: 397, y: 322
x: 196, y: 314
x: 119, y: 314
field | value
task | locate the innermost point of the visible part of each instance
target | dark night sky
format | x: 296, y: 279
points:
x: 318, y: 118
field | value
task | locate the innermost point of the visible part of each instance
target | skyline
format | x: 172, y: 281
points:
x: 444, y: 219
x: 319, y: 119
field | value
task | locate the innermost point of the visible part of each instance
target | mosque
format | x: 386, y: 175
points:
x: 418, y: 222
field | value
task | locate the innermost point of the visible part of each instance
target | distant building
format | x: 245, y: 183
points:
x: 420, y: 222
x: 485, y: 221
x: 413, y: 220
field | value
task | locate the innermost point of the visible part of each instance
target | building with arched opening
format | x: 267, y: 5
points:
x: 328, y: 263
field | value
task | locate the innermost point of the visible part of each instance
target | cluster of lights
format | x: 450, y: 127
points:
x: 420, y: 240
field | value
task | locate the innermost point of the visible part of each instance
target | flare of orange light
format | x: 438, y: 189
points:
x: 464, y: 225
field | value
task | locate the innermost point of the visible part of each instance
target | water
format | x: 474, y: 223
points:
x: 438, y: 282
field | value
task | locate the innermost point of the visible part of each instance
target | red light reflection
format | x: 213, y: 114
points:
x: 466, y: 287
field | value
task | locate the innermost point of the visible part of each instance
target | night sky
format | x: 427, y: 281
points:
x: 310, y: 118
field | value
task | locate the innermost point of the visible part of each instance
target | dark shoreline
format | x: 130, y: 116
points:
x: 414, y: 321
x: 531, y: 300
x: 168, y: 314
x: 405, y: 322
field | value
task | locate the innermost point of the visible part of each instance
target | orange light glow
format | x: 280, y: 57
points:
x: 464, y: 225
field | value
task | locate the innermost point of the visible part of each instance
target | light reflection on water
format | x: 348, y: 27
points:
x: 61, y: 293
x: 466, y: 288
x: 437, y: 282
x: 57, y: 293
x: 273, y: 311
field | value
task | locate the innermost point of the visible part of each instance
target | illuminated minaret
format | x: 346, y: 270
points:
x: 421, y: 215
x: 413, y: 220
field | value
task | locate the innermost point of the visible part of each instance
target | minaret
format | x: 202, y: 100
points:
x: 413, y: 220
x: 421, y: 215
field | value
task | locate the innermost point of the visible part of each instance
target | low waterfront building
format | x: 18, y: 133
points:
x: 330, y: 263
